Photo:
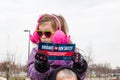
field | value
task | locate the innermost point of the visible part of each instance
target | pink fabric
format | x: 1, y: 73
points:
x: 60, y: 38
x: 40, y: 18
x: 58, y: 22
x: 35, y: 37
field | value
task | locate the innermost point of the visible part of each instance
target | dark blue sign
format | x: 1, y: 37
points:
x: 57, y: 51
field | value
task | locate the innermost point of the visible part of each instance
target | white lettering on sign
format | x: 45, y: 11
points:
x: 60, y: 48
x: 47, y: 47
x: 57, y: 53
x: 68, y: 48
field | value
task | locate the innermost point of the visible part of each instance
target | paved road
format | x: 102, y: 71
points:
x: 102, y: 78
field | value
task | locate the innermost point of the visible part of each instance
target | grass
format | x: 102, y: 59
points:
x: 16, y: 78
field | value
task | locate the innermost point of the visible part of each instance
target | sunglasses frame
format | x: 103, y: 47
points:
x: 45, y: 33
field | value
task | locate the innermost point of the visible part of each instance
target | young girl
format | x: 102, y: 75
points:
x: 52, y: 28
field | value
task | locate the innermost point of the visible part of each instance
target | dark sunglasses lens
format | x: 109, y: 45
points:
x: 47, y: 34
x: 39, y: 33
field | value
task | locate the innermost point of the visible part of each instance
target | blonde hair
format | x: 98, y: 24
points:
x: 66, y: 74
x: 47, y: 18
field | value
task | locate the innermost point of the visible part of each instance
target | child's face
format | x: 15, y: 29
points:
x: 46, y: 32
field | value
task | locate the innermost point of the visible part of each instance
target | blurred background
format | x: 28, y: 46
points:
x: 93, y: 25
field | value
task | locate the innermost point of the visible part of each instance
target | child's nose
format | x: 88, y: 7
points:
x: 43, y: 36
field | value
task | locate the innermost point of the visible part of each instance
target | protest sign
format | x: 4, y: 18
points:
x: 57, y: 51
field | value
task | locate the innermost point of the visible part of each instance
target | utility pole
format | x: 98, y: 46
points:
x: 7, y: 75
x: 8, y: 60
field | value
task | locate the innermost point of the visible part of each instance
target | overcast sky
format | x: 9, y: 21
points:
x: 93, y: 24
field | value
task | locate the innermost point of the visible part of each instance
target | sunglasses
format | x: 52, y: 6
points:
x: 46, y: 33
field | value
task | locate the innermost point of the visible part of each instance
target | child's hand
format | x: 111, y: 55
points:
x: 77, y: 57
x: 41, y: 58
x: 79, y: 63
x: 41, y: 62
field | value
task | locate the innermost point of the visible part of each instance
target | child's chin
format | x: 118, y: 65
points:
x: 46, y: 42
